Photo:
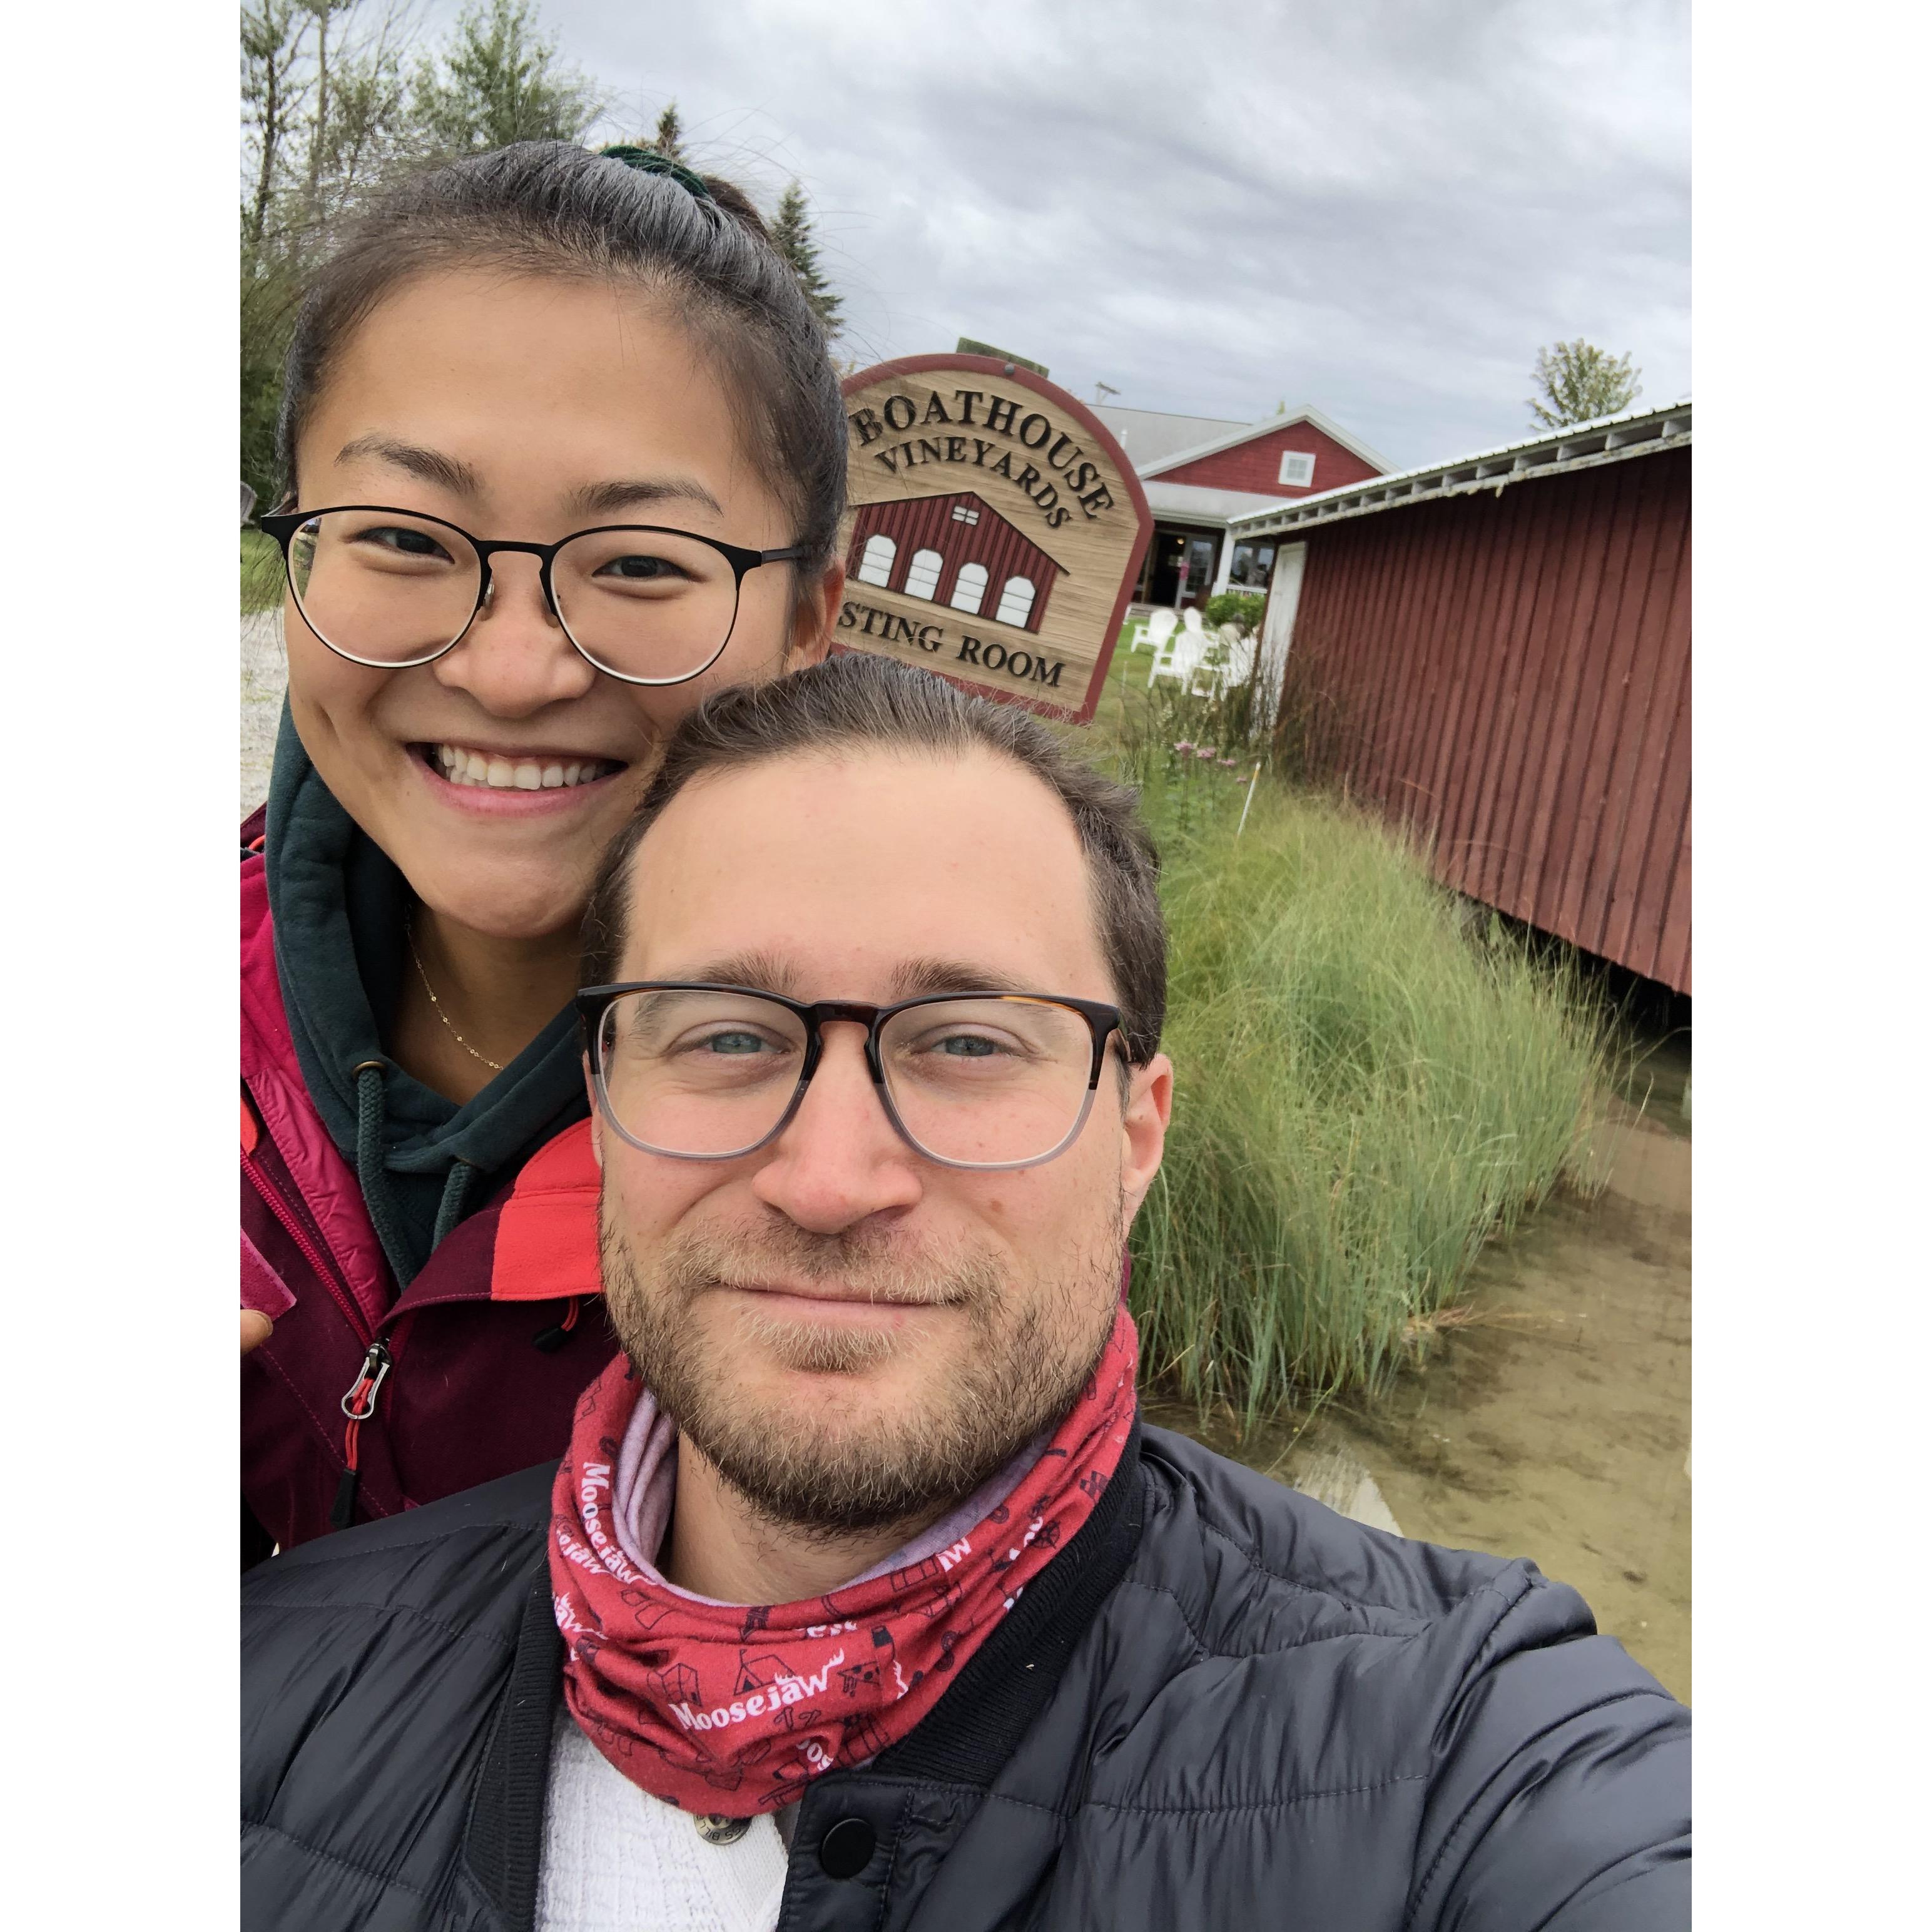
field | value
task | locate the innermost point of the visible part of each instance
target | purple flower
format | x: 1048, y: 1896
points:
x: 1183, y: 746
x: 1230, y: 764
x: 1204, y: 751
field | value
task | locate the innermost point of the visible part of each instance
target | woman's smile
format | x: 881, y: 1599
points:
x: 495, y: 781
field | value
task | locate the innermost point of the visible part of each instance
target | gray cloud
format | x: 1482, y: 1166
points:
x: 1380, y: 207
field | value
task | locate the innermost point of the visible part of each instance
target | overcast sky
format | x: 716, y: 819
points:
x: 1381, y: 208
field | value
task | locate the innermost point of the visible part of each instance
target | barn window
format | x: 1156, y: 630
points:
x: 1298, y: 468
x: 1016, y: 602
x: 964, y: 514
x: 922, y: 576
x: 970, y: 592
x: 876, y: 565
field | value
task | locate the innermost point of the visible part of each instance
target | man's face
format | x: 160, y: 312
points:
x: 851, y: 1332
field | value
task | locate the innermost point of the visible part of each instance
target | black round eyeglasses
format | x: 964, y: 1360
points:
x: 391, y: 589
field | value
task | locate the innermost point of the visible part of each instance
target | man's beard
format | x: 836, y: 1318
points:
x: 1018, y: 1375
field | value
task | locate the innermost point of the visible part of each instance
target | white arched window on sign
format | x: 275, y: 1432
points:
x: 875, y: 566
x: 922, y: 575
x: 970, y: 592
x: 1016, y: 602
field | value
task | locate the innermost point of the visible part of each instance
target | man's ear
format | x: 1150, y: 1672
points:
x: 812, y: 622
x: 1143, y: 1129
x: 596, y: 1118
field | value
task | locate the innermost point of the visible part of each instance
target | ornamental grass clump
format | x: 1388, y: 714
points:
x: 1367, y: 1090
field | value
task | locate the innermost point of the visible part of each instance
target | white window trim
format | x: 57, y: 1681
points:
x: 1297, y: 457
x: 913, y: 570
x: 1006, y: 593
x: 977, y: 590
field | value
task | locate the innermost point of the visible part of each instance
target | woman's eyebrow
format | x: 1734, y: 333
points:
x: 592, y: 500
x: 426, y: 466
x: 600, y: 499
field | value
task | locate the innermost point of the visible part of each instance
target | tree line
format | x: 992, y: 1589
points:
x: 340, y: 97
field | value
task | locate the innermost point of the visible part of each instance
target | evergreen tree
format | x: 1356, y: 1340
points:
x: 791, y: 235
x: 1578, y: 382
x: 499, y: 82
x: 669, y: 138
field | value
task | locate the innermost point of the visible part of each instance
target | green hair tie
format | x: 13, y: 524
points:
x: 650, y: 161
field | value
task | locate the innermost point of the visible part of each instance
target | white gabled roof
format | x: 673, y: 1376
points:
x: 1248, y: 431
x: 1575, y: 446
x: 1196, y: 503
x: 1149, y: 436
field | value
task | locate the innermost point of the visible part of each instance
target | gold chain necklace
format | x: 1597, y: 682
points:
x: 409, y: 933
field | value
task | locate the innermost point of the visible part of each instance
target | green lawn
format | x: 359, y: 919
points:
x: 261, y: 572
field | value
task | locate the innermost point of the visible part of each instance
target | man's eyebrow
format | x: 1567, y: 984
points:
x: 765, y: 972
x: 605, y: 499
x: 918, y: 976
x: 426, y: 466
x: 761, y: 972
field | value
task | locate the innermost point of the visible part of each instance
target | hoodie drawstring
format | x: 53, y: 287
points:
x: 455, y: 1192
x: 372, y: 1171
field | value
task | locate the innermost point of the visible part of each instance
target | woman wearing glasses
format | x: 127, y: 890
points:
x: 564, y: 452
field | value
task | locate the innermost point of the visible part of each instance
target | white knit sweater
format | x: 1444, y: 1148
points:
x: 616, y: 1859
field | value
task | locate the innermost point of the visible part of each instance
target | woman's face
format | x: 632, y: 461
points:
x: 525, y: 410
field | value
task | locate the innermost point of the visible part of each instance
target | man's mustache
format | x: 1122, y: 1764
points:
x: 866, y: 1267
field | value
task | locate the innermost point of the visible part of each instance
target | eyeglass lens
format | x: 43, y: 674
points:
x: 385, y: 588
x: 982, y: 1081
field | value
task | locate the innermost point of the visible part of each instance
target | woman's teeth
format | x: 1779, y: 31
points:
x: 464, y: 767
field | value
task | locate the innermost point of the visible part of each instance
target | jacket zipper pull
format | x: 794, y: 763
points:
x: 358, y: 1404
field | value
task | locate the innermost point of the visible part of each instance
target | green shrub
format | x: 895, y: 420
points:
x: 1364, y: 1093
x: 1240, y: 607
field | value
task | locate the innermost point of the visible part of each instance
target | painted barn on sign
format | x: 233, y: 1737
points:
x: 955, y: 551
x: 993, y: 530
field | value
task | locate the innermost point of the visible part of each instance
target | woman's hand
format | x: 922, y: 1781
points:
x: 256, y: 1329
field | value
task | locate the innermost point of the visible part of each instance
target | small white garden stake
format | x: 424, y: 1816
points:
x: 1250, y: 799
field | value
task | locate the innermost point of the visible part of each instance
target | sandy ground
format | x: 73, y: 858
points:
x: 265, y: 673
x: 1554, y: 1423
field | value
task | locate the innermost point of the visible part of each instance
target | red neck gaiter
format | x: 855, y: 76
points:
x: 733, y: 1710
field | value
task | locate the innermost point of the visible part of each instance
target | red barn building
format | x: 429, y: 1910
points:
x: 1497, y: 652
x: 957, y: 551
x: 1202, y: 473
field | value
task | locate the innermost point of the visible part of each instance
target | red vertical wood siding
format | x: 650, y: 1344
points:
x: 1256, y: 464
x: 1510, y: 677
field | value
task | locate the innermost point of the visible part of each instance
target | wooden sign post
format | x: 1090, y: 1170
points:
x: 994, y: 532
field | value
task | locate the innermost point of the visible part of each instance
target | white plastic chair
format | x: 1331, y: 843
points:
x: 1180, y: 656
x: 1156, y: 627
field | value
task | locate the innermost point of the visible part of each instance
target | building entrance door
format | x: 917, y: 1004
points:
x: 1183, y: 572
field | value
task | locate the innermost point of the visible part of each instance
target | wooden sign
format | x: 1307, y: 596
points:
x: 994, y: 531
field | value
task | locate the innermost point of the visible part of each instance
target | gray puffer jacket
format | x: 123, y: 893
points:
x: 1220, y: 1705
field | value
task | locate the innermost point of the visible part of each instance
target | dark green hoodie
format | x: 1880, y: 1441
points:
x: 338, y: 906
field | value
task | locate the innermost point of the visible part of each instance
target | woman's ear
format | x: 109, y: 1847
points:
x: 816, y: 613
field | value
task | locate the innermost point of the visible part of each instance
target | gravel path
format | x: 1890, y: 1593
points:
x: 265, y: 675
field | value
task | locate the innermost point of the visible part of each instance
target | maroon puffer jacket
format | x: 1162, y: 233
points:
x: 469, y: 1375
